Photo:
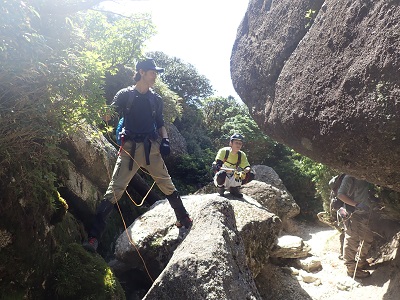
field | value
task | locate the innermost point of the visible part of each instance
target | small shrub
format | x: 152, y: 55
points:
x: 83, y: 275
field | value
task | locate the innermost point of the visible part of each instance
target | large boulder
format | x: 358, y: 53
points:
x: 210, y: 263
x: 268, y: 175
x: 269, y: 190
x: 91, y: 154
x: 155, y: 237
x: 327, y: 85
x: 275, y: 200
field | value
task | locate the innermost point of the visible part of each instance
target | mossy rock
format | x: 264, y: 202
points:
x: 60, y: 208
x: 79, y: 274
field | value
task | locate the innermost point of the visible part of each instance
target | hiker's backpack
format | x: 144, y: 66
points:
x: 335, y: 202
x: 334, y: 185
x: 119, y: 131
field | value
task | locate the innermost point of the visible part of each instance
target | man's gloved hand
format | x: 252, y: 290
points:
x: 236, y: 174
x: 165, y: 150
x: 240, y: 175
x: 362, y: 206
x: 217, y: 165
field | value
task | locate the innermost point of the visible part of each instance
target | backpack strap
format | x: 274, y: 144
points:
x: 129, y: 103
x: 239, y: 157
x: 152, y: 100
x: 226, y: 155
x: 153, y: 105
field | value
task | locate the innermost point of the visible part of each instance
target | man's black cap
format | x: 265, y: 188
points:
x: 148, y: 64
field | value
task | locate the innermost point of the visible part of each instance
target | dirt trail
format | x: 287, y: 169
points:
x: 335, y: 284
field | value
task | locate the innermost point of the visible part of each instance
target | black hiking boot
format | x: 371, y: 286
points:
x: 235, y: 192
x: 185, y: 222
x: 221, y: 190
x: 181, y: 214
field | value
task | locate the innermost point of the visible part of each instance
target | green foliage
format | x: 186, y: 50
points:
x: 310, y: 14
x: 216, y: 111
x: 52, y: 78
x: 27, y: 223
x: 193, y: 171
x: 225, y: 116
x: 183, y: 78
x: 298, y: 180
x: 191, y: 126
x: 117, y: 41
x: 82, y: 275
x: 319, y: 175
x: 172, y: 102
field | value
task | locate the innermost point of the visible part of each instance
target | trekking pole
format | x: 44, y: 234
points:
x: 358, y: 257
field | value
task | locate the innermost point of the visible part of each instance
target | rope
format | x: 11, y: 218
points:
x: 144, y: 198
x: 133, y: 244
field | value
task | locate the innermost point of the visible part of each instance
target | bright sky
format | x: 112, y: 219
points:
x: 200, y: 32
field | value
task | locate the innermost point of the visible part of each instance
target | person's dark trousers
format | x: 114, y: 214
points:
x: 221, y: 176
x: 176, y: 203
x: 99, y: 224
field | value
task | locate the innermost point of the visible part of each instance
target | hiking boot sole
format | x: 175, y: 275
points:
x: 359, y: 274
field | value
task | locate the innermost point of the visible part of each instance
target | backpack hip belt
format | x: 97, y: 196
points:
x: 140, y: 138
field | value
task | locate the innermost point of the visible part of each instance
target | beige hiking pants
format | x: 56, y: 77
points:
x: 356, y: 231
x: 122, y: 175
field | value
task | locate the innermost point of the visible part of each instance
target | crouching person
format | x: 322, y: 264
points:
x: 231, y: 167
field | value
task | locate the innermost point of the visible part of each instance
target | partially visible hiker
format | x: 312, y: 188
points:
x: 354, y: 192
x: 142, y: 110
x: 231, y: 167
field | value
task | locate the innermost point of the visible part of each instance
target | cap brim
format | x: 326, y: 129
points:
x: 157, y: 69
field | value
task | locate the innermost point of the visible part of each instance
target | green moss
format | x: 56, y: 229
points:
x: 83, y: 275
x: 60, y: 208
x: 156, y: 242
x: 15, y: 295
x: 68, y: 231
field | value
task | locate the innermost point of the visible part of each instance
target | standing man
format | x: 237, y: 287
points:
x: 232, y: 167
x: 358, y: 236
x: 142, y: 110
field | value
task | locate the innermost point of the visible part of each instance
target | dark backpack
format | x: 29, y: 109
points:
x: 335, y: 202
x: 121, y: 122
